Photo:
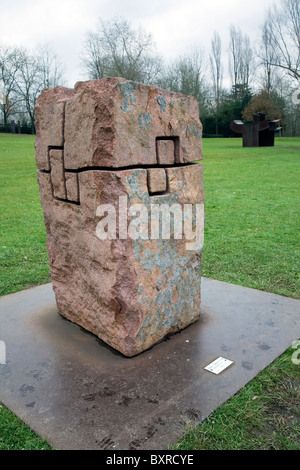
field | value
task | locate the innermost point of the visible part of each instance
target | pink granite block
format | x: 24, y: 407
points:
x: 118, y: 151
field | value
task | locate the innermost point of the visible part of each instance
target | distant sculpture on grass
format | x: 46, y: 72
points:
x: 261, y: 120
x: 258, y: 133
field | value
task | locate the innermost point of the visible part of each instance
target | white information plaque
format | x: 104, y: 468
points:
x: 218, y: 365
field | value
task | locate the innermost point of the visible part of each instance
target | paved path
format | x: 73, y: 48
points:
x: 78, y: 393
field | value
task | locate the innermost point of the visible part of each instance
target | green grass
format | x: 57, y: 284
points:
x: 23, y: 255
x: 16, y: 435
x: 252, y: 220
x: 251, y: 239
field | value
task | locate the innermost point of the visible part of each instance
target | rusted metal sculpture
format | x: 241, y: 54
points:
x: 259, y: 133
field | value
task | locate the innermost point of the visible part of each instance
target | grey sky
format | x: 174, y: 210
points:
x: 174, y: 24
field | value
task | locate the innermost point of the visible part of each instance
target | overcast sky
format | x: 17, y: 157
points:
x: 175, y: 25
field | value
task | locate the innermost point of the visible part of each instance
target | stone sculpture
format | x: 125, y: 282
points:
x: 120, y: 148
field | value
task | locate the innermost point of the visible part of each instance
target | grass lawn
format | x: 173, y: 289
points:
x: 252, y: 225
x: 252, y: 231
x: 23, y: 254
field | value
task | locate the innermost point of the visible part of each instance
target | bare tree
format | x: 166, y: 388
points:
x: 282, y: 31
x: 269, y: 77
x: 37, y: 70
x: 186, y: 75
x: 51, y: 69
x: 23, y: 75
x: 246, y: 61
x: 216, y: 72
x: 266, y: 53
x: 235, y: 55
x: 29, y: 83
x: 116, y: 49
x: 10, y: 62
x: 240, y: 60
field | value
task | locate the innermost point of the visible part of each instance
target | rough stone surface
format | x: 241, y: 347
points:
x: 118, y: 125
x: 104, y: 142
x: 57, y: 173
x: 72, y: 186
x: 157, y: 180
x: 50, y: 123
